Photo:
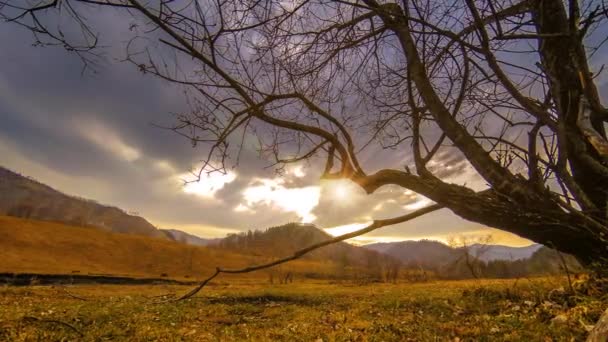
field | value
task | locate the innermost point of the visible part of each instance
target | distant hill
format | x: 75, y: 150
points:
x: 283, y: 240
x: 189, y: 239
x: 428, y: 251
x: 31, y: 246
x: 487, y: 260
x: 28, y: 245
x: 24, y: 197
x: 547, y: 261
x: 499, y: 252
x: 424, y: 253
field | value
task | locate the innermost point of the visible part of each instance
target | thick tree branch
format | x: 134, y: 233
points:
x: 487, y: 167
x: 584, y: 124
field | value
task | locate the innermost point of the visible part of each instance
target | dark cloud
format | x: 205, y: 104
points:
x: 93, y: 136
x: 449, y: 163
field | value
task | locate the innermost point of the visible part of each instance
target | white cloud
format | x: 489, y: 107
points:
x: 300, y: 201
x: 241, y: 208
x: 421, y: 202
x: 106, y: 139
x: 164, y: 166
x: 297, y: 171
x: 378, y: 206
x: 208, y: 184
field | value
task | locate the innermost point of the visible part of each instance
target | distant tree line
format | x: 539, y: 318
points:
x: 350, y: 263
x: 545, y: 261
x: 347, y: 262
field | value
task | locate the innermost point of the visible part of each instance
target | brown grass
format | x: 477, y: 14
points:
x: 30, y: 246
x: 485, y: 310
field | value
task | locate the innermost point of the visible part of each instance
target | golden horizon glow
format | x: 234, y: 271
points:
x: 345, y: 229
x: 499, y: 237
x: 202, y: 231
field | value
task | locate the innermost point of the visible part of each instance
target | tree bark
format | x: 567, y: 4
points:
x: 564, y: 61
x: 539, y: 219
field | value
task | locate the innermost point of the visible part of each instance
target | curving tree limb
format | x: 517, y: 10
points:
x: 376, y: 224
x: 583, y: 122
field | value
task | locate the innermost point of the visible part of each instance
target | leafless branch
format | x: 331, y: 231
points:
x: 376, y: 224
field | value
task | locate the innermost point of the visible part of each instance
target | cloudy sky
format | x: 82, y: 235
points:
x: 96, y: 136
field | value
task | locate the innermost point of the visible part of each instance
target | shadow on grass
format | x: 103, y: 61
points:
x: 266, y: 299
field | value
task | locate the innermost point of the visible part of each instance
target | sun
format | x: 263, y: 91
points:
x: 339, y: 190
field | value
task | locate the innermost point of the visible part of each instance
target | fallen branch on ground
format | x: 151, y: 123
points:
x: 69, y: 294
x: 165, y: 295
x: 30, y: 319
x: 299, y: 253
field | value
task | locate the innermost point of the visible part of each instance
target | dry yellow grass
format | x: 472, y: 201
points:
x: 250, y: 309
x: 485, y: 310
x: 30, y: 246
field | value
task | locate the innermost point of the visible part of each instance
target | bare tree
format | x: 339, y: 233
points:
x: 391, y: 267
x: 506, y: 85
x: 472, y: 249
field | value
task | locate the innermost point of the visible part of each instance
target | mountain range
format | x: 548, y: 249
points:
x: 477, y: 260
x: 500, y: 252
x: 24, y: 197
x: 286, y: 239
x: 425, y: 252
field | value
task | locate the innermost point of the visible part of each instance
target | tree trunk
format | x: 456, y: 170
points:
x: 564, y: 61
x: 542, y: 221
x: 515, y: 204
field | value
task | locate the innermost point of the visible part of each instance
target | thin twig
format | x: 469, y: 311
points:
x: 567, y: 271
x: 160, y: 296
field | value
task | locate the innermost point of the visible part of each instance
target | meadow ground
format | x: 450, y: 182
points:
x: 488, y: 310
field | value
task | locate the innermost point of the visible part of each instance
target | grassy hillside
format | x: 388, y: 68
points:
x: 286, y: 239
x: 24, y: 197
x: 44, y: 247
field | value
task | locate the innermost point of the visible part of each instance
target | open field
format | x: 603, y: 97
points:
x: 32, y: 246
x: 488, y: 310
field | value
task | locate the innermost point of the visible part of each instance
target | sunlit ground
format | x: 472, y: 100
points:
x: 489, y: 310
